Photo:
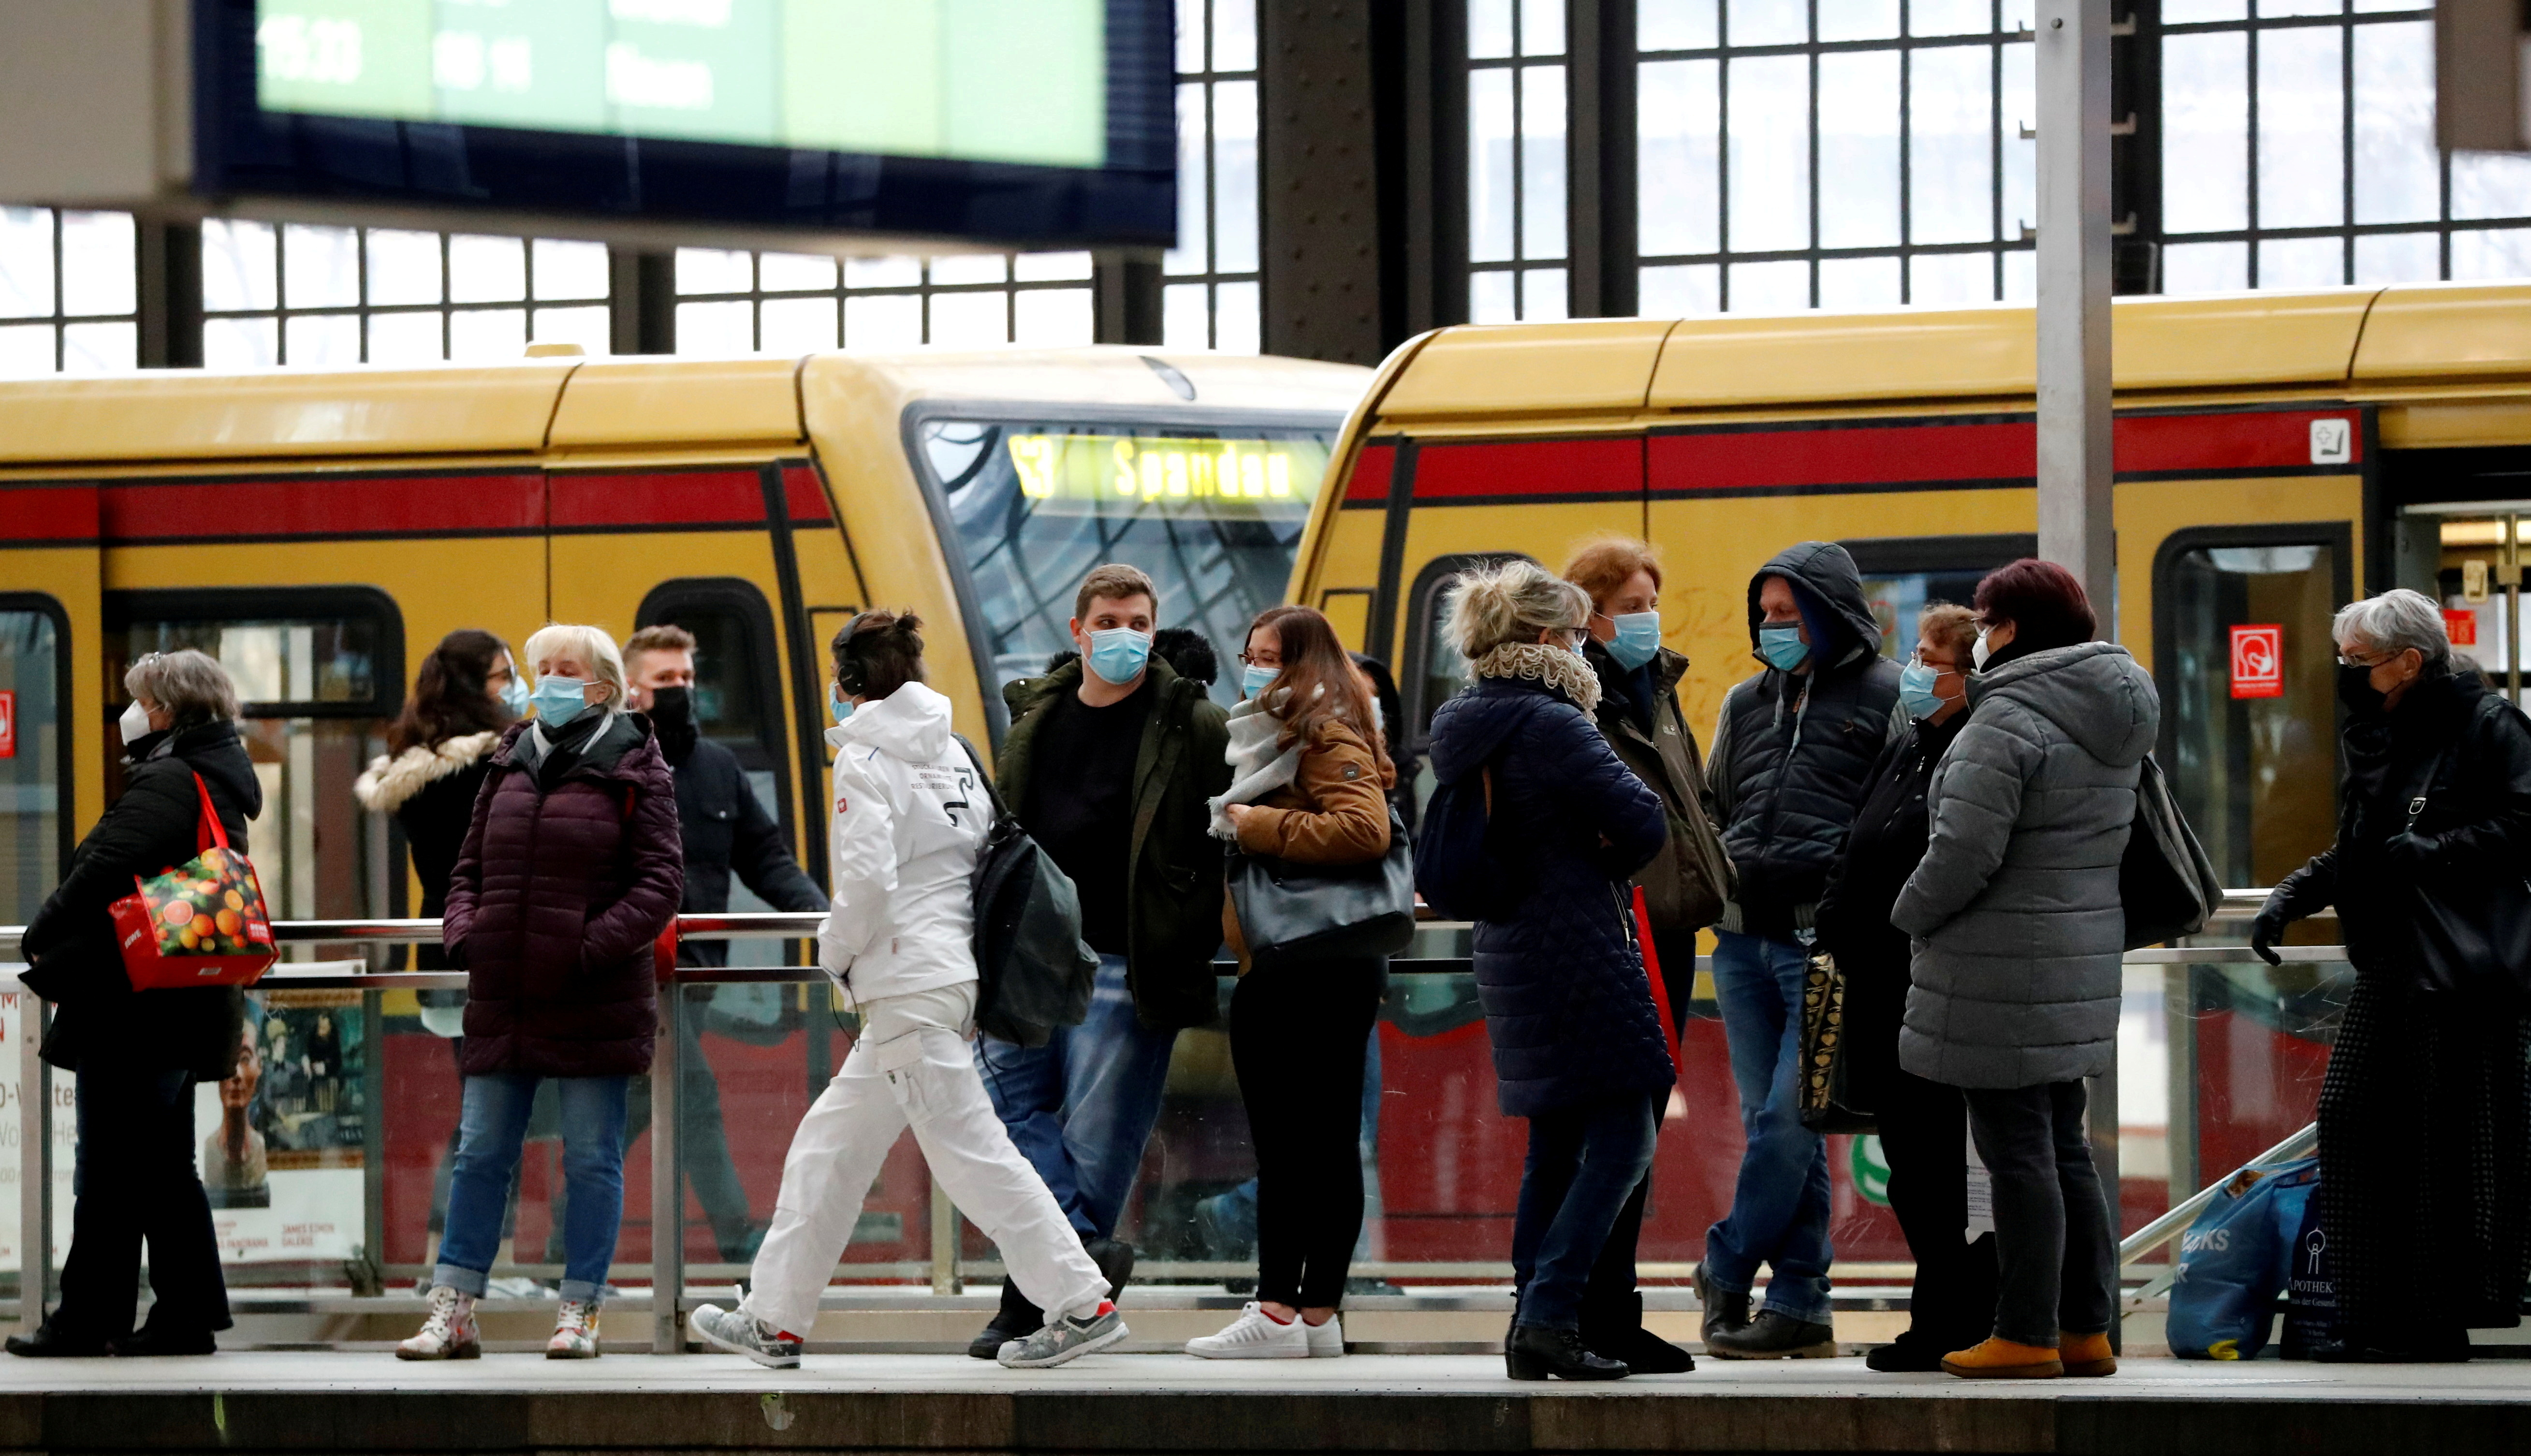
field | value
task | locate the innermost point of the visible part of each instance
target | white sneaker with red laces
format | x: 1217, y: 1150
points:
x: 1254, y: 1336
x: 574, y: 1335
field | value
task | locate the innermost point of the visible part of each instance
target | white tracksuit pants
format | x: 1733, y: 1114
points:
x: 910, y: 1065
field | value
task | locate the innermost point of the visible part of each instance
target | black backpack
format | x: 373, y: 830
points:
x: 1455, y: 870
x: 1033, y: 972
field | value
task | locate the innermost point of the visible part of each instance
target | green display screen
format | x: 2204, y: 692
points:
x: 986, y: 81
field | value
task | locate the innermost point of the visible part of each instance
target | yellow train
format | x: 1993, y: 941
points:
x: 2277, y: 454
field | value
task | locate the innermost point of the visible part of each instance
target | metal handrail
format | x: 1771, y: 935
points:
x: 2135, y: 1246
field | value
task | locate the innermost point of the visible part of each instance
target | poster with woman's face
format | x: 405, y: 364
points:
x: 284, y: 1133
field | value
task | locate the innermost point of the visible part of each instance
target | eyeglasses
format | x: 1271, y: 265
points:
x: 1247, y: 661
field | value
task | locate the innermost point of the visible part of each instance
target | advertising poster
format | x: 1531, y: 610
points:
x: 281, y: 1139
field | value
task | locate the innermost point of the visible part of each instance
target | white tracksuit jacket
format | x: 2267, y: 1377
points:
x: 909, y: 818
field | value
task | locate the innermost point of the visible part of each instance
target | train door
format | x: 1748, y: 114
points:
x: 48, y: 624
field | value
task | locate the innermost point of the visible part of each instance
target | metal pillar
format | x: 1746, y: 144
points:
x: 667, y: 1186
x: 34, y: 1166
x: 2075, y: 469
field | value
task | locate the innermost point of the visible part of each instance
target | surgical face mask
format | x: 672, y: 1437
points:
x: 135, y: 722
x: 1255, y: 679
x: 1783, y: 646
x: 1978, y: 653
x: 1638, y: 639
x: 514, y: 697
x: 1916, y: 690
x: 1118, y: 653
x: 838, y: 705
x: 558, y: 699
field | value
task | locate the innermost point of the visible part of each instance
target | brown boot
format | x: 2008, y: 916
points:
x: 2086, y: 1355
x: 1998, y: 1358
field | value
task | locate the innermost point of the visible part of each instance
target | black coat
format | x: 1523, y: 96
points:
x: 725, y: 828
x: 1568, y: 1009
x: 2474, y: 771
x: 1880, y: 851
x: 70, y: 945
x: 1791, y: 751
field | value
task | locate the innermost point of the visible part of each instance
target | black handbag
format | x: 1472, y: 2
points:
x: 1294, y: 912
x: 1032, y: 971
x: 2166, y: 881
x: 2473, y: 925
x: 1828, y: 1102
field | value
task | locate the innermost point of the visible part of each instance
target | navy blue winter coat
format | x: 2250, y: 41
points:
x: 1567, y: 1007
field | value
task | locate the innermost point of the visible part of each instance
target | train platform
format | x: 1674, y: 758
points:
x: 368, y: 1402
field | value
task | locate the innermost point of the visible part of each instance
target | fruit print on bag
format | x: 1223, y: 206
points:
x: 215, y: 911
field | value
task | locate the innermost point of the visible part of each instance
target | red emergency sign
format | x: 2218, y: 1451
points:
x: 2259, y: 662
x: 8, y: 725
x: 2461, y: 626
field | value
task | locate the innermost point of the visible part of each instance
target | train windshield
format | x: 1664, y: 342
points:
x: 1213, y: 514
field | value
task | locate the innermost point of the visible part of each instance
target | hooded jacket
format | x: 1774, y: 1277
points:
x: 1568, y: 1009
x: 909, y: 818
x: 1687, y: 884
x: 556, y: 898
x: 430, y: 790
x: 155, y: 826
x: 2014, y: 909
x: 1792, y: 751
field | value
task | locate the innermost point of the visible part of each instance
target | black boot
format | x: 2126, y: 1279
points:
x: 1534, y: 1352
x: 1776, y: 1335
x: 1912, y: 1353
x: 1616, y: 1331
x: 1115, y: 1260
x: 52, y: 1340
x: 1016, y: 1319
x: 1722, y: 1312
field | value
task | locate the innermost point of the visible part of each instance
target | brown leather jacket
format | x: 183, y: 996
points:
x: 1334, y: 812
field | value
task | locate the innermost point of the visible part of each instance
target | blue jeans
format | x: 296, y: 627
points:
x: 1583, y: 1164
x: 489, y: 1129
x: 1780, y: 1207
x: 1080, y: 1107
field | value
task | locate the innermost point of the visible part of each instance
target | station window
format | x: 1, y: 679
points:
x: 1847, y: 155
x: 731, y: 302
x: 320, y: 673
x: 34, y: 752
x: 67, y: 292
x: 2298, y: 151
x: 1210, y: 297
x: 295, y: 294
x: 1516, y: 161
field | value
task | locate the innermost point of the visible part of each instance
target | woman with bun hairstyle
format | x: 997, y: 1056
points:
x: 911, y: 813
x: 1311, y: 786
x: 1577, y: 1048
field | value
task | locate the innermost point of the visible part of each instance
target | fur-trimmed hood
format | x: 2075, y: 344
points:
x: 389, y: 782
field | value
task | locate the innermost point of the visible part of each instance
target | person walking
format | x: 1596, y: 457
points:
x: 1577, y: 1048
x: 1922, y: 1125
x: 2020, y: 930
x: 2424, y: 1115
x: 1310, y: 786
x: 1109, y: 762
x: 136, y: 1056
x: 910, y: 817
x: 1791, y: 751
x: 725, y: 830
x: 1684, y: 886
x: 570, y: 872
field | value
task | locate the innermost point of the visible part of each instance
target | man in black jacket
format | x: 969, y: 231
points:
x: 1791, y: 754
x: 725, y: 828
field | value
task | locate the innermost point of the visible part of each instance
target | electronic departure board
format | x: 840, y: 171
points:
x: 1030, y: 122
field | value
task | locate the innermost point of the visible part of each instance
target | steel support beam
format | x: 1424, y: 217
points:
x: 667, y: 1185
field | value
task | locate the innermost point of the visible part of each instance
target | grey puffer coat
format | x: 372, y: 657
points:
x: 2015, y: 911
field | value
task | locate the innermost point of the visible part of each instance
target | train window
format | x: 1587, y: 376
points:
x: 1211, y: 510
x: 1435, y: 669
x: 35, y: 746
x: 2248, y: 691
x: 321, y: 674
x: 1901, y: 574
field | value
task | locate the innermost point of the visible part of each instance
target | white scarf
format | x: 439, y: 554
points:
x: 1258, y: 766
x: 1555, y: 667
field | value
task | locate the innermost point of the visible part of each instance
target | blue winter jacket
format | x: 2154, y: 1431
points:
x: 1567, y: 1006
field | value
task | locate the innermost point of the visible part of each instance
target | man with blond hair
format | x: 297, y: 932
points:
x: 1108, y: 763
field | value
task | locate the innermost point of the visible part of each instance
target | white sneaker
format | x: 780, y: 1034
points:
x: 574, y: 1335
x: 1254, y: 1336
x: 449, y: 1332
x: 1064, y: 1337
x: 1327, y: 1341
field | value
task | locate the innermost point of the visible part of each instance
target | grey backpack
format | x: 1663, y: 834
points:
x: 1033, y: 972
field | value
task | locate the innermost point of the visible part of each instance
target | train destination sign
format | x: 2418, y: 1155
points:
x: 1264, y: 475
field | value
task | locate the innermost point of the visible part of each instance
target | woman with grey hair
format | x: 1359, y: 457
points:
x: 1577, y: 1048
x: 2425, y: 1114
x: 137, y: 1057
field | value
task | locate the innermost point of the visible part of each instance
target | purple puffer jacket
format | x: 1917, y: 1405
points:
x: 555, y: 901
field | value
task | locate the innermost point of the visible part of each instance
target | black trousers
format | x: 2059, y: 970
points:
x: 1609, y: 1308
x: 136, y: 1182
x: 1924, y: 1135
x: 2055, y: 1258
x: 1297, y: 1034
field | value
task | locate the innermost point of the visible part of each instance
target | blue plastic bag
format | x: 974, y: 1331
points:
x: 2235, y: 1260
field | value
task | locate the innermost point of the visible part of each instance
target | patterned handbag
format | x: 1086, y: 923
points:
x: 199, y: 923
x: 1825, y: 1105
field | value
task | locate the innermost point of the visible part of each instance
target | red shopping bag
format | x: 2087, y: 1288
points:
x: 199, y: 923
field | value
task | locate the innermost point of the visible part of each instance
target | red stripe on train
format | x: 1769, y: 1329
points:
x: 1373, y: 470
x: 402, y: 505
x: 805, y: 495
x: 1529, y: 468
x: 665, y: 498
x: 49, y: 514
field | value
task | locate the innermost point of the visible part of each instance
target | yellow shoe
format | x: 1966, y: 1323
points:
x: 2086, y: 1355
x: 1998, y: 1358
